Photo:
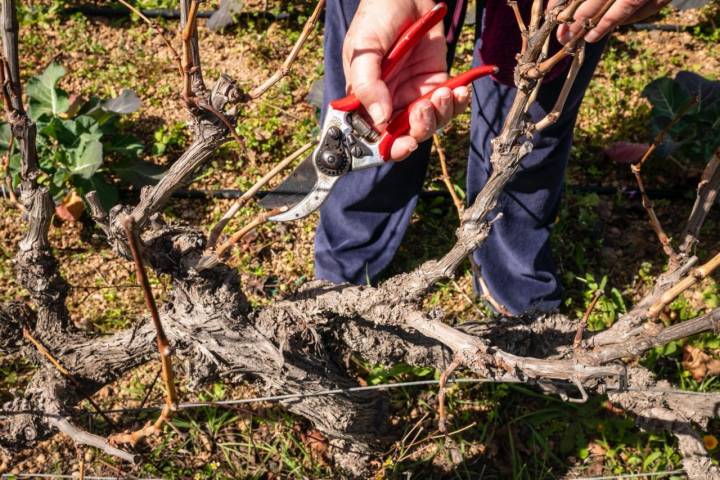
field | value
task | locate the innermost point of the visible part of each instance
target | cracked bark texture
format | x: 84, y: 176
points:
x: 300, y: 344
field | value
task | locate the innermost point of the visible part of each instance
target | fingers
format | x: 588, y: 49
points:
x: 446, y: 104
x: 462, y: 99
x: 403, y: 147
x: 647, y: 10
x: 428, y: 115
x: 620, y: 12
x: 372, y: 92
x: 423, y: 120
x: 586, y: 11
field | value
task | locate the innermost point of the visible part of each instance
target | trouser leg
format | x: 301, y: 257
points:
x: 516, y: 260
x: 367, y: 213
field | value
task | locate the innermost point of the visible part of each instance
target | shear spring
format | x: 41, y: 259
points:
x: 363, y: 129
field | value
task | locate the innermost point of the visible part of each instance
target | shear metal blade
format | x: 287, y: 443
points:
x: 294, y: 188
x: 311, y: 202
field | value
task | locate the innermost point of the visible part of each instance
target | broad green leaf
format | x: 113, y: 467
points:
x: 125, y: 103
x: 666, y: 97
x: 128, y: 146
x: 87, y: 157
x: 707, y: 91
x: 60, y: 177
x: 86, y: 124
x: 137, y: 172
x: 107, y: 193
x: 45, y: 97
x: 63, y: 131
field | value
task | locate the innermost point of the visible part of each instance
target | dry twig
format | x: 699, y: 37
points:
x: 218, y: 228
x: 521, y: 24
x: 213, y: 258
x: 706, y: 195
x: 442, y: 391
x: 583, y: 323
x: 636, y: 169
x: 693, y: 278
x: 163, y: 345
x: 189, y: 33
x: 158, y: 30
x: 554, y: 114
x: 62, y: 370
x: 536, y: 15
x: 285, y: 67
x: 541, y: 69
x: 459, y: 207
x: 446, y: 176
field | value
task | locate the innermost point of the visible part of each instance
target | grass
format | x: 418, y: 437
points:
x: 503, y: 431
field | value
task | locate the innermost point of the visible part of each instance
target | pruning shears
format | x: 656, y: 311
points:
x: 348, y: 142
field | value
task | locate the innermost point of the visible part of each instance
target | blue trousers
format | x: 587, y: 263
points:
x: 365, y: 218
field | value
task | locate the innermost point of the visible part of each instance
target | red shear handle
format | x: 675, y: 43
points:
x: 402, y: 46
x: 400, y: 125
x: 410, y: 38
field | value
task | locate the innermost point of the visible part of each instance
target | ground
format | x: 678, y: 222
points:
x: 601, y: 241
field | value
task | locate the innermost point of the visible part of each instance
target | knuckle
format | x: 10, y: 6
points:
x: 635, y: 4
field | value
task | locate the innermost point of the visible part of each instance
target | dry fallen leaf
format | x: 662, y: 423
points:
x: 699, y: 363
x: 626, y: 152
x: 70, y: 208
x: 596, y: 450
x: 317, y: 443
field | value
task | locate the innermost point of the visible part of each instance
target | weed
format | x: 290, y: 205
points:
x: 169, y: 137
x: 75, y: 138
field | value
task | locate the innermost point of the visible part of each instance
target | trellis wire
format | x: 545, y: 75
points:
x: 340, y: 391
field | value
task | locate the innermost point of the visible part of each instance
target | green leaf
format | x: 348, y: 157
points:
x: 137, y: 172
x: 129, y: 146
x: 64, y: 131
x: 86, y: 124
x: 706, y: 91
x: 5, y: 136
x: 666, y: 97
x: 125, y: 103
x: 60, y: 177
x: 584, y: 453
x: 45, y: 98
x: 87, y: 157
x: 107, y: 193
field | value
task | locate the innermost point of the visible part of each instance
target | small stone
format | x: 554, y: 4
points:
x: 89, y: 455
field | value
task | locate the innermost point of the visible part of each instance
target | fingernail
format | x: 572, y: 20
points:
x: 377, y: 113
x: 445, y: 94
x: 592, y: 36
x: 413, y: 147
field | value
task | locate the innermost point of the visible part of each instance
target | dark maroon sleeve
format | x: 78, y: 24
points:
x: 501, y: 39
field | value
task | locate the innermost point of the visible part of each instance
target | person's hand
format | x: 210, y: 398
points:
x: 620, y: 13
x: 373, y: 31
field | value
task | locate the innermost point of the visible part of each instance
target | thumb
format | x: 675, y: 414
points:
x: 367, y: 86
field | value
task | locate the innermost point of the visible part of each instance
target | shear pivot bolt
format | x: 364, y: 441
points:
x: 330, y: 160
x: 332, y: 163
